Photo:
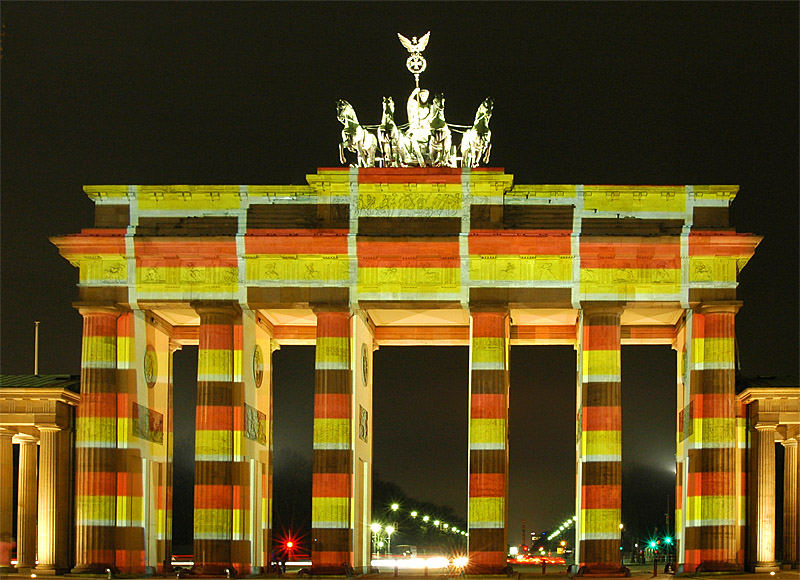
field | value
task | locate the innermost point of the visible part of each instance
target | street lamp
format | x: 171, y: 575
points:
x: 395, y: 507
x: 376, y: 529
x: 389, y: 532
x: 621, y: 551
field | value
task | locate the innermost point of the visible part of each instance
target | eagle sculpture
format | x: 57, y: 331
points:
x: 415, y: 45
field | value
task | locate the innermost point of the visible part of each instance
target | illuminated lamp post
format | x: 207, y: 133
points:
x: 376, y: 529
x: 621, y: 551
x: 389, y: 532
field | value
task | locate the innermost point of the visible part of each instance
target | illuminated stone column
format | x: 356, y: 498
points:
x: 790, y: 507
x: 488, y: 442
x: 764, y: 480
x: 95, y: 444
x: 53, y: 535
x: 331, y: 496
x: 712, y: 538
x: 213, y: 471
x: 6, y: 496
x: 600, y: 441
x: 26, y: 502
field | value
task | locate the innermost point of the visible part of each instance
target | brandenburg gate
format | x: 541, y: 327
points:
x: 415, y: 243
x: 364, y: 257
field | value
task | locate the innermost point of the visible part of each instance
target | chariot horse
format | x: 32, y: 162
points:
x: 476, y: 144
x: 355, y: 137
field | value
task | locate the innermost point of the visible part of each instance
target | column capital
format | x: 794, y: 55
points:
x: 790, y: 442
x: 500, y: 308
x: 721, y: 307
x: 766, y: 426
x: 24, y: 438
x: 47, y: 427
x: 223, y: 307
x: 594, y: 308
x: 324, y: 308
x: 173, y: 346
x: 95, y: 308
x: 6, y: 432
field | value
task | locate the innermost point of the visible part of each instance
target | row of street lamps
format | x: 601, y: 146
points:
x: 380, y: 531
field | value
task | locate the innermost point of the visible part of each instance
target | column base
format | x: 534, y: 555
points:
x: 603, y: 570
x: 329, y: 570
x: 766, y: 567
x: 712, y: 566
x: 94, y: 569
x: 50, y: 571
x: 486, y: 570
x: 224, y: 570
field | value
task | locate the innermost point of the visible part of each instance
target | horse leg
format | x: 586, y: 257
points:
x: 341, y: 153
x: 488, y: 151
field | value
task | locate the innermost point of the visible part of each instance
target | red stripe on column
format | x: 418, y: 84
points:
x: 601, y: 496
x: 487, y: 407
x: 602, y: 418
x: 331, y: 485
x: 487, y: 485
x: 334, y: 406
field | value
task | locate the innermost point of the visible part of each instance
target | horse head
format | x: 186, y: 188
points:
x: 388, y: 109
x: 484, y: 112
x: 345, y: 112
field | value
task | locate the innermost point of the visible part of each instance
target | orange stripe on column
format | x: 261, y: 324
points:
x: 487, y: 485
x: 601, y: 497
x: 331, y: 485
x: 487, y: 406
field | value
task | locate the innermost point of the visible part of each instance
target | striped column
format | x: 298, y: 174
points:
x: 488, y: 441
x: 129, y: 541
x: 26, y: 514
x: 213, y: 467
x: 600, y: 441
x: 6, y: 497
x: 712, y: 537
x: 332, y: 492
x: 95, y: 444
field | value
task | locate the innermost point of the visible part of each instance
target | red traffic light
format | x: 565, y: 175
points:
x: 289, y: 545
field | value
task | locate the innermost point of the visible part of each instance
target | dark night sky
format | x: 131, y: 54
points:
x: 143, y: 93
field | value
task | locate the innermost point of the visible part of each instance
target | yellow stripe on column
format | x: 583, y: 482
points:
x: 332, y: 431
x: 486, y: 509
x: 103, y: 349
x: 331, y: 509
x: 710, y: 507
x: 601, y: 442
x: 488, y: 349
x: 210, y: 442
x: 600, y: 521
x: 92, y: 431
x: 213, y: 520
x: 706, y: 350
x: 332, y: 349
x: 216, y: 361
x: 714, y: 430
x: 96, y: 507
x: 601, y: 362
x: 487, y: 431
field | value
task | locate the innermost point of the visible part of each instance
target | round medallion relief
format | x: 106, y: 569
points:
x: 364, y: 365
x: 258, y: 366
x: 150, y: 364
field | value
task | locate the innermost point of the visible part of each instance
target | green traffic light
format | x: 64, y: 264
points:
x: 668, y: 540
x: 652, y: 543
